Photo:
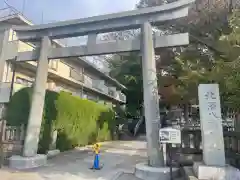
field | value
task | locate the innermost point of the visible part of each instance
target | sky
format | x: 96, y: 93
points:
x: 43, y: 11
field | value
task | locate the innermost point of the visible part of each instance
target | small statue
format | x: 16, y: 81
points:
x: 96, y: 149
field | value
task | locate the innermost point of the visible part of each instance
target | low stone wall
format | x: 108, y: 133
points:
x: 9, y: 149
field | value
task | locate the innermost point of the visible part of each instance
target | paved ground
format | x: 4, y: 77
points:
x: 117, y: 157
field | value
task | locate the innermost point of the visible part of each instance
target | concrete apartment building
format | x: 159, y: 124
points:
x: 74, y: 75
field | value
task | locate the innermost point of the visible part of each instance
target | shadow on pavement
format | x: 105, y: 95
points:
x: 115, y: 157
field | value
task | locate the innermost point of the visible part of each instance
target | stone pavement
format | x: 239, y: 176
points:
x: 117, y: 157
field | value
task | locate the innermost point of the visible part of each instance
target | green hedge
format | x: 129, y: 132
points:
x: 78, y: 121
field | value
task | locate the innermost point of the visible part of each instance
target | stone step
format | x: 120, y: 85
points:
x: 188, y: 173
x: 127, y: 176
x: 179, y: 178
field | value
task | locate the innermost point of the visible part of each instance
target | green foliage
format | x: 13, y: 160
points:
x: 200, y: 65
x: 78, y: 121
x: 227, y: 71
x: 82, y: 121
x: 18, y: 108
x: 48, y: 121
x: 128, y: 71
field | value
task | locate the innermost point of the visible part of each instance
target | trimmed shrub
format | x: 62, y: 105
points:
x: 19, y: 107
x: 78, y: 121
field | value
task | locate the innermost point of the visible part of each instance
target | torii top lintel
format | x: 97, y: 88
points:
x: 105, y: 23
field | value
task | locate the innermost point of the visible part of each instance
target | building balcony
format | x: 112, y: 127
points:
x: 111, y: 92
x: 116, y: 94
x: 99, y: 85
x: 76, y: 76
x: 76, y: 79
x: 88, y: 81
x: 122, y: 97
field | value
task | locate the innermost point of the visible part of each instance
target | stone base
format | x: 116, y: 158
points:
x: 187, y: 173
x: 53, y: 153
x: 20, y: 162
x: 143, y: 171
x: 205, y: 172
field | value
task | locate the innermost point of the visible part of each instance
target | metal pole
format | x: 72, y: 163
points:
x: 151, y: 98
x: 170, y: 159
x: 2, y: 131
x: 23, y: 7
x: 42, y: 18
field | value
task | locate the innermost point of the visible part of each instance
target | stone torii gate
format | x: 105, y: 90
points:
x: 143, y: 18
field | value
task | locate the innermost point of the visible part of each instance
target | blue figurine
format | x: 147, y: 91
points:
x: 96, y: 149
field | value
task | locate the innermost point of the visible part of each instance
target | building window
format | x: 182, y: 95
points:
x: 53, y: 64
x: 77, y: 74
x: 24, y: 82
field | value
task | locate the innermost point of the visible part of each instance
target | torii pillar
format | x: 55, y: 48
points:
x: 30, y: 158
x: 4, y: 37
x: 151, y: 97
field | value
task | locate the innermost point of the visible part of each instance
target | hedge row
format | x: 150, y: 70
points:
x: 78, y: 121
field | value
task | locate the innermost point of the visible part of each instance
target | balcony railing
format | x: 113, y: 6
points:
x: 88, y: 81
x: 122, y: 97
x: 76, y: 76
x: 99, y: 85
x: 117, y: 95
x: 104, y: 89
x: 111, y: 93
x: 8, y: 11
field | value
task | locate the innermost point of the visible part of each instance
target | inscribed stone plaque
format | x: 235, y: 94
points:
x: 211, y: 125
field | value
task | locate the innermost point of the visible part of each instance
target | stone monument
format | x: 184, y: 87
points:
x: 213, y: 165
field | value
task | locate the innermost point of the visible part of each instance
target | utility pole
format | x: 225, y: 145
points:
x: 42, y: 17
x: 23, y: 6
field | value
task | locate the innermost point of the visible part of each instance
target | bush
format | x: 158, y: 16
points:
x: 18, y: 108
x: 78, y: 121
x: 82, y: 121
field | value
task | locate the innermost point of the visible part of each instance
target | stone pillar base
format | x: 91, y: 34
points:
x: 143, y: 171
x: 53, y: 153
x: 21, y: 163
x: 205, y: 172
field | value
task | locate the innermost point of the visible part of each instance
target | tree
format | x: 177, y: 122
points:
x: 226, y: 72
x: 186, y: 66
x: 192, y: 66
x: 127, y: 70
